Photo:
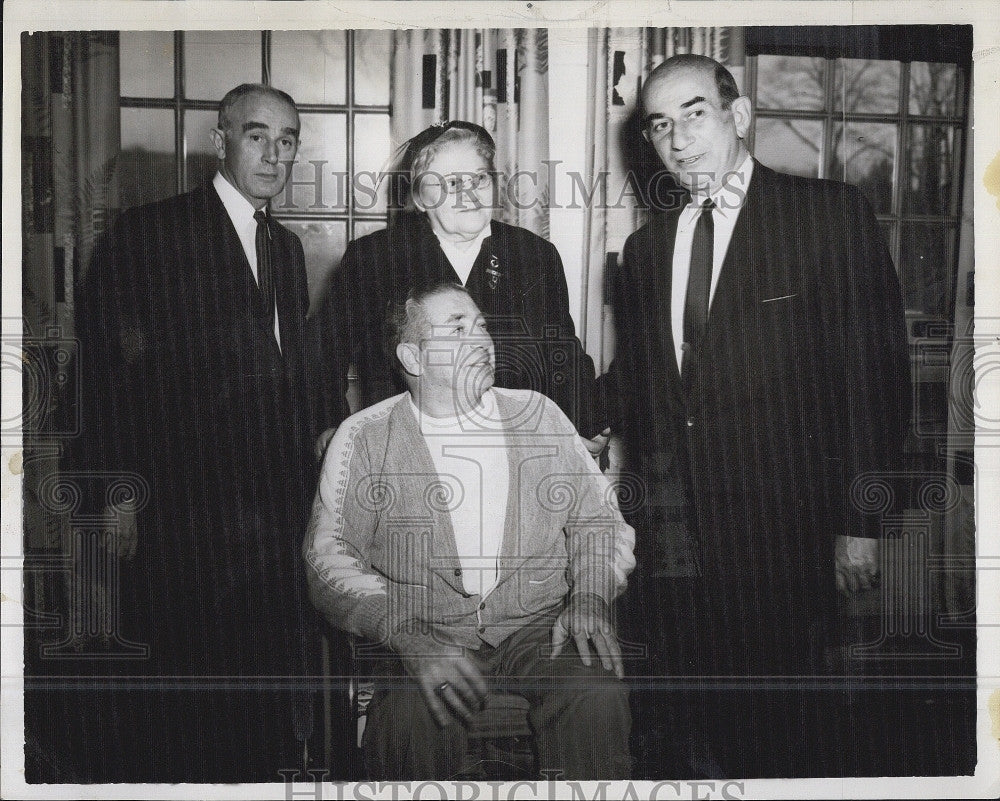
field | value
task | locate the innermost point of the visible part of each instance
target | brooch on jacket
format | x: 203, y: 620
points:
x: 493, y: 271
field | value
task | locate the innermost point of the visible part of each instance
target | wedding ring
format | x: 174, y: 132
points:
x: 444, y: 685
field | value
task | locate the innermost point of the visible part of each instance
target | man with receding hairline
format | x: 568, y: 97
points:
x: 466, y: 528
x: 761, y: 368
x: 200, y: 377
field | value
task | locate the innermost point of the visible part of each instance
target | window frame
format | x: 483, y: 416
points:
x: 179, y: 103
x: 905, y: 121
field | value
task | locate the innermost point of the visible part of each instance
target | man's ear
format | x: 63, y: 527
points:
x: 409, y: 356
x: 742, y: 113
x: 219, y: 142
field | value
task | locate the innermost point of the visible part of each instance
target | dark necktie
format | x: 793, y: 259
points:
x: 265, y: 273
x: 699, y: 284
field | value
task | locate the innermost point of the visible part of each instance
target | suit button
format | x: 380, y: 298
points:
x: 690, y: 422
x: 458, y: 571
x: 481, y: 629
x: 482, y: 605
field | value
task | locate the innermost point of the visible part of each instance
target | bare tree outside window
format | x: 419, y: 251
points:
x: 891, y: 128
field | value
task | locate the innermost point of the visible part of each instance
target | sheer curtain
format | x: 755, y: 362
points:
x: 69, y: 149
x: 619, y: 162
x: 497, y: 78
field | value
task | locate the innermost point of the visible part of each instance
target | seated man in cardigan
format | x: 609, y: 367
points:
x: 468, y: 529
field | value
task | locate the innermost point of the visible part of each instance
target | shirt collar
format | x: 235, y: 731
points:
x: 729, y: 197
x: 238, y: 207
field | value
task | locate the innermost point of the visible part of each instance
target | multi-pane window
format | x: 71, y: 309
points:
x: 171, y: 84
x: 895, y: 129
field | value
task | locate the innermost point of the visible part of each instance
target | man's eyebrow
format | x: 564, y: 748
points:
x: 252, y: 125
x: 692, y: 101
x: 456, y: 317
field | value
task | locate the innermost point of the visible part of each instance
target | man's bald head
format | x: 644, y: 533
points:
x: 724, y: 81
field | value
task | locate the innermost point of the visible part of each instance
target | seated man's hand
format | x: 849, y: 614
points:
x: 587, y: 618
x: 856, y: 563
x: 322, y: 441
x: 597, y: 445
x: 451, y: 684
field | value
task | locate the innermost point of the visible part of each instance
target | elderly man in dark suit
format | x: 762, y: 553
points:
x: 203, y: 377
x: 761, y: 369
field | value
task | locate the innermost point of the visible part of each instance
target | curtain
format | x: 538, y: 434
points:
x: 958, y: 586
x: 497, y: 78
x: 69, y: 146
x: 620, y: 164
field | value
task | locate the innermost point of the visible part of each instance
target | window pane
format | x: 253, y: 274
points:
x: 311, y: 65
x: 932, y: 186
x: 863, y: 154
x: 866, y: 86
x: 324, y: 243
x: 200, y: 160
x: 933, y: 88
x: 147, y: 166
x: 146, y: 61
x: 928, y: 267
x: 217, y: 61
x: 789, y: 145
x: 371, y: 154
x: 790, y: 82
x: 371, y: 67
x: 319, y: 176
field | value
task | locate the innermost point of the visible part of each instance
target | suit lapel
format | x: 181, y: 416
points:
x: 739, y: 265
x: 659, y: 268
x: 243, y: 295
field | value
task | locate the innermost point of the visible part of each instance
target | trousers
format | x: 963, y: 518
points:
x: 579, y: 715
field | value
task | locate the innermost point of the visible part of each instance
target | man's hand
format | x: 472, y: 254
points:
x: 322, y: 441
x: 856, y: 563
x: 587, y: 619
x: 128, y: 531
x: 597, y: 445
x: 450, y: 684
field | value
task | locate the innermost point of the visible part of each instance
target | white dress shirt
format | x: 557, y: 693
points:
x: 463, y: 256
x: 241, y: 212
x: 471, y: 462
x: 728, y: 202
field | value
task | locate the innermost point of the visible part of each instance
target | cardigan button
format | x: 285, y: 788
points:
x: 482, y: 605
x: 458, y: 571
x: 481, y: 629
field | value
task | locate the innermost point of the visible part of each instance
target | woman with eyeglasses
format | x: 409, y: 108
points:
x: 448, y: 233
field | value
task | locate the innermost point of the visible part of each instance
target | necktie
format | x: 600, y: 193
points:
x: 699, y: 284
x: 265, y: 273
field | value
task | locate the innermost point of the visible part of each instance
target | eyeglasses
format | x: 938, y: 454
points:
x: 457, y: 182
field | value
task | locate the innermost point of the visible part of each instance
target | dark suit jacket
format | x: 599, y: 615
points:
x: 185, y: 386
x: 527, y: 309
x: 801, y: 385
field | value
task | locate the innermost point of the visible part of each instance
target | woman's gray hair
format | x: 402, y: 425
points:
x: 453, y: 133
